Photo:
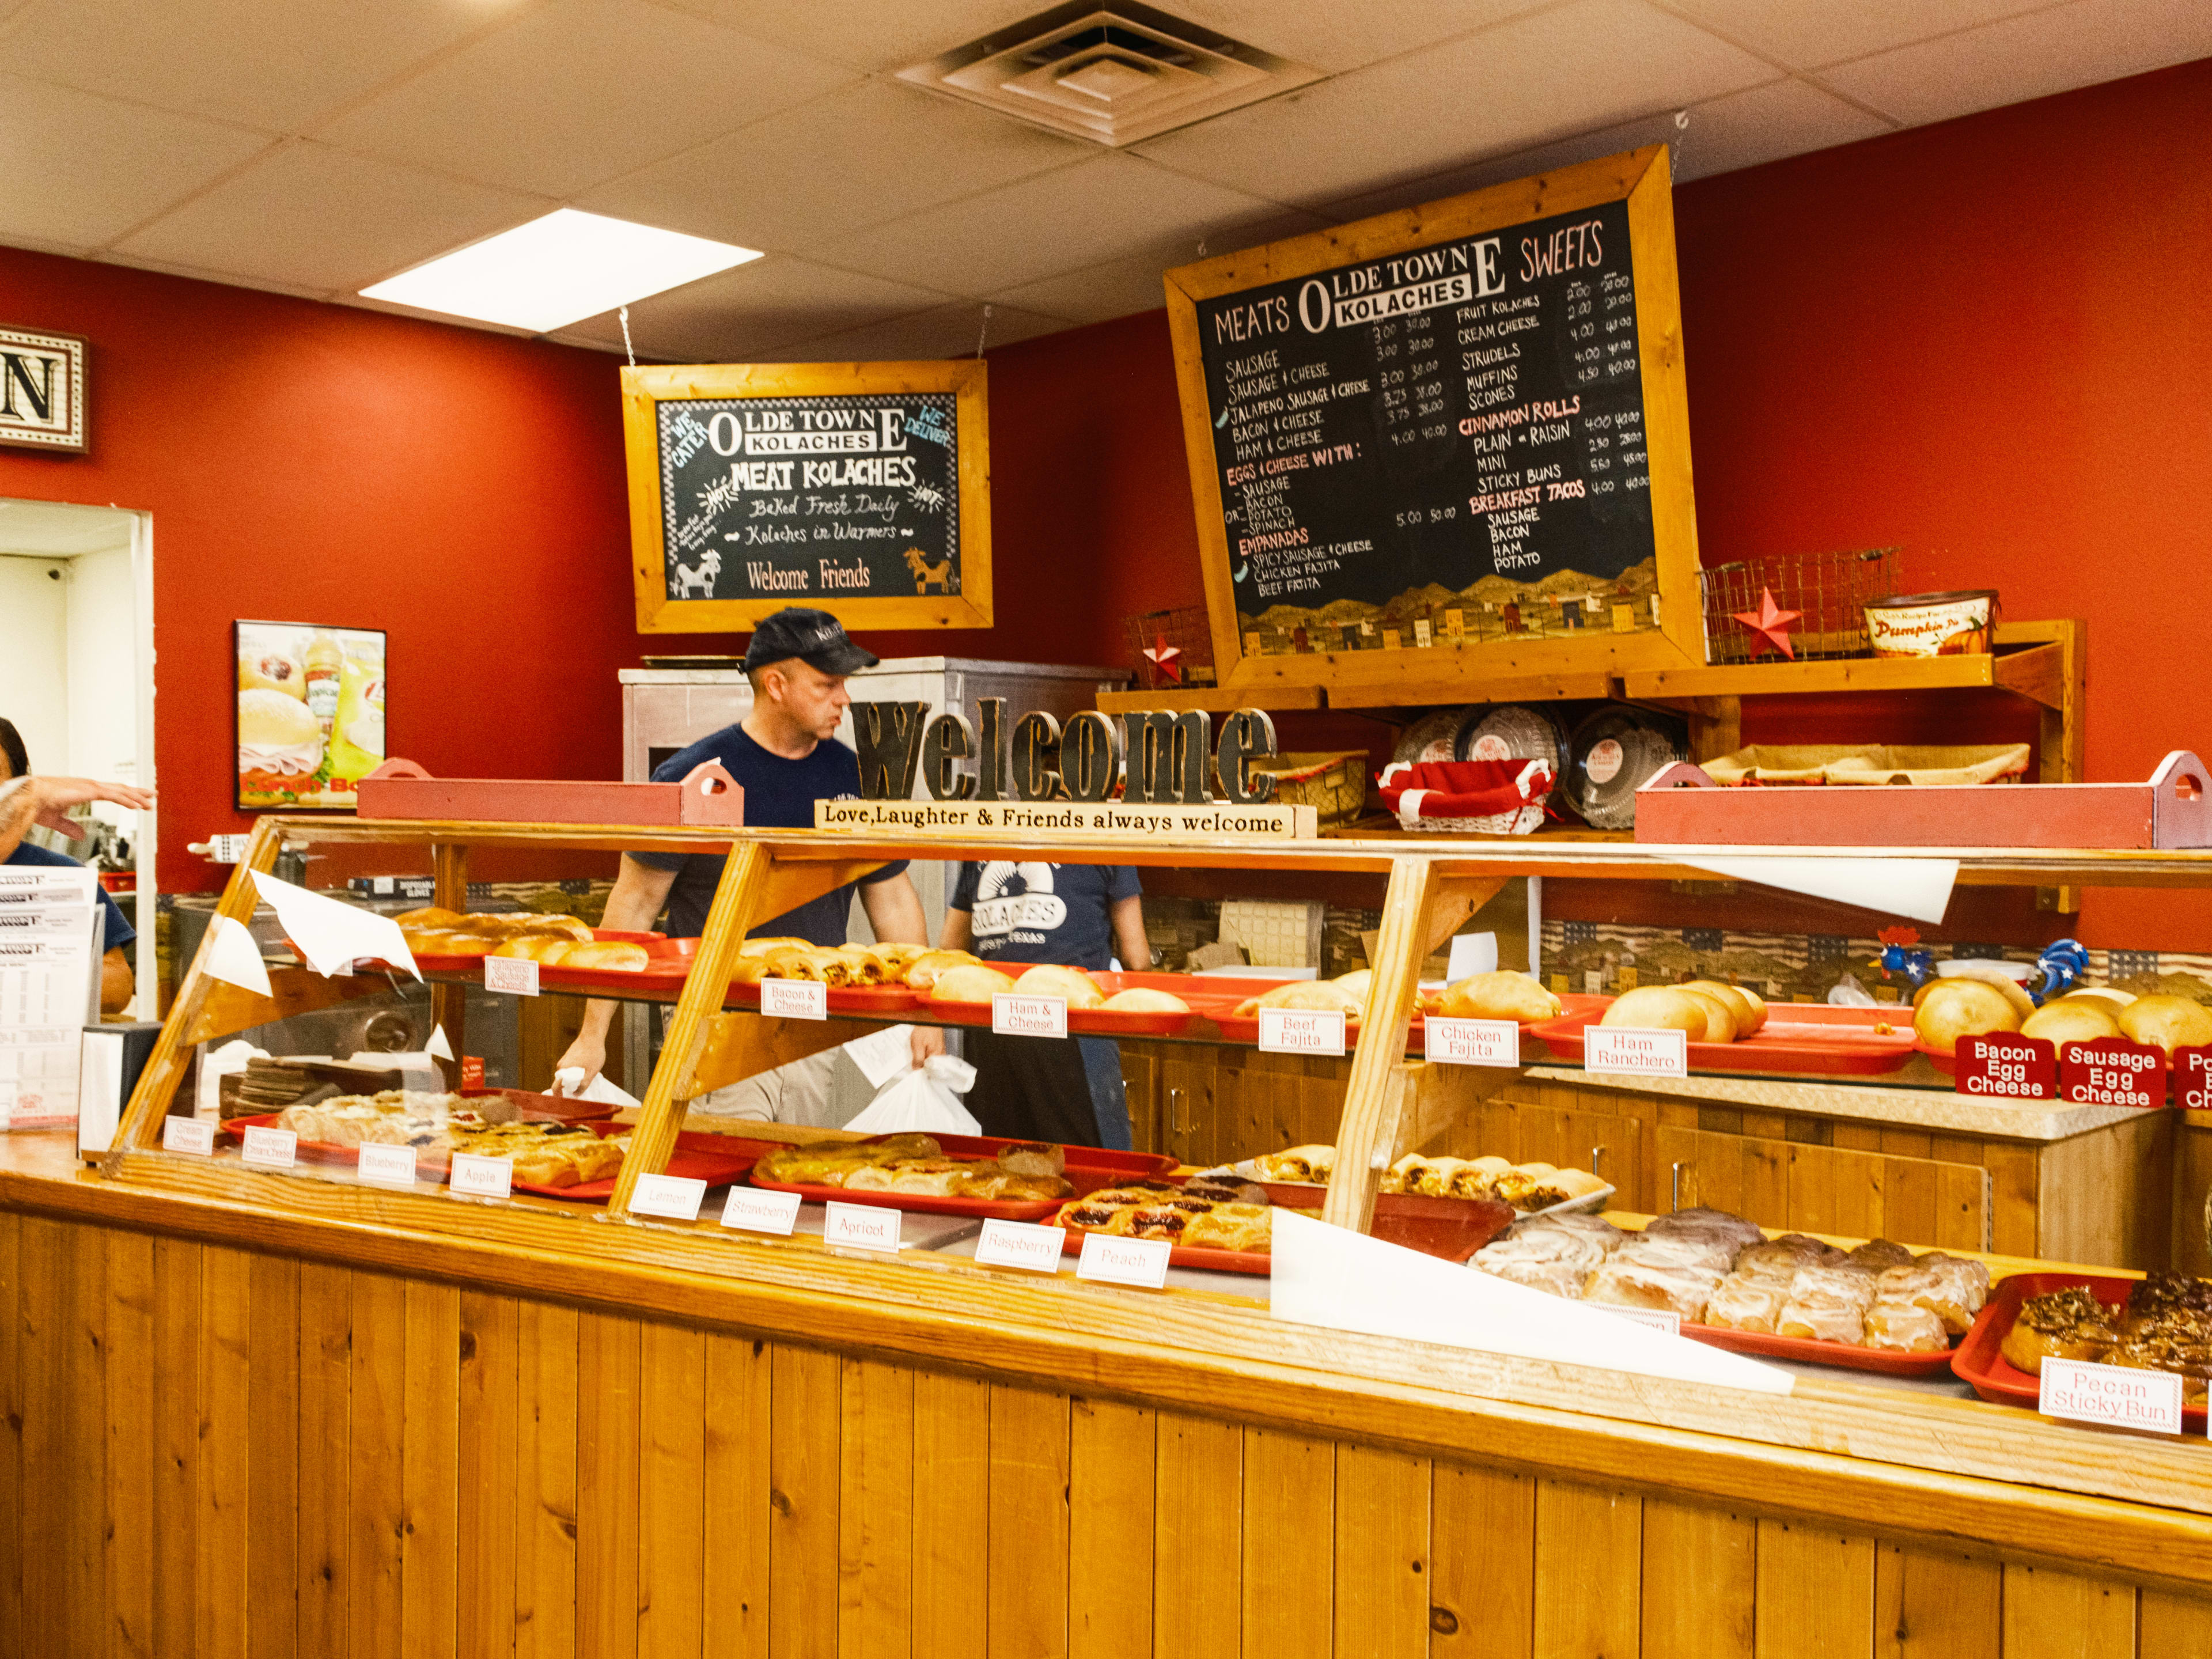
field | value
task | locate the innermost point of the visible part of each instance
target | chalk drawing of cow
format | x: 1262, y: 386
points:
x: 701, y: 575
x: 928, y: 575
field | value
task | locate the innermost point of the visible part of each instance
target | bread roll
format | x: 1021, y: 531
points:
x: 618, y: 954
x: 1577, y: 1184
x: 1324, y: 995
x: 969, y: 982
x: 535, y: 947
x: 548, y: 926
x: 1660, y: 1008
x: 2106, y: 995
x: 1055, y: 980
x: 432, y: 919
x: 1747, y: 1017
x: 450, y: 943
x: 802, y: 963
x: 1720, y: 1021
x: 1949, y: 1009
x: 2167, y: 1022
x: 761, y: 947
x: 1143, y: 1000
x: 922, y: 973
x: 1981, y: 973
x: 1497, y: 996
x: 2066, y: 1021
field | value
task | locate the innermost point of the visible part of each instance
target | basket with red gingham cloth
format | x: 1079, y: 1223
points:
x: 1491, y: 798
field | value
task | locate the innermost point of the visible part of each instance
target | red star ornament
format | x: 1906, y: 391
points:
x: 1769, y: 625
x: 1163, y: 656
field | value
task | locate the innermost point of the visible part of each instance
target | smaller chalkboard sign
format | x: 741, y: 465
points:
x: 861, y: 488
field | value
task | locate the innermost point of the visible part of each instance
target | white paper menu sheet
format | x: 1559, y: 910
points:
x: 49, y: 978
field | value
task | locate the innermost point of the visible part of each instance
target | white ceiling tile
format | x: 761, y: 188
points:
x: 80, y: 170
x: 1806, y: 36
x: 878, y: 35
x: 579, y: 91
x: 1061, y: 221
x: 929, y: 336
x: 770, y: 302
x: 325, y: 220
x: 854, y: 158
x: 1119, y: 287
x: 1344, y: 35
x: 1784, y: 118
x: 271, y: 64
x: 2070, y: 45
x: 1529, y: 82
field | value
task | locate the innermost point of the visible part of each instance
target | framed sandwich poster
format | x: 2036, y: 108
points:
x: 860, y: 489
x: 310, y: 714
x: 1461, y: 429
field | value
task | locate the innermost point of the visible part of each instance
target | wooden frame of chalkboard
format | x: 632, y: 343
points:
x: 860, y: 489
x: 1509, y: 498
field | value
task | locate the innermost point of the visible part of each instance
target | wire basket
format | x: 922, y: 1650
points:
x: 1829, y: 590
x: 1182, y: 645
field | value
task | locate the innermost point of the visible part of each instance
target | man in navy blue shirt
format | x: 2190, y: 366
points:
x: 786, y: 756
x: 1079, y: 914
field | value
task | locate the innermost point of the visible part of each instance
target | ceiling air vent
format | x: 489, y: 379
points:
x: 1118, y: 73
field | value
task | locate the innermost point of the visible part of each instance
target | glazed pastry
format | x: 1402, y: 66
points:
x: 1627, y: 1282
x: 1881, y: 1253
x: 1904, y: 1326
x: 1678, y: 1251
x: 1732, y: 1230
x: 1828, y: 1304
x: 1747, y: 1302
x: 1245, y: 1227
x: 2067, y: 1324
x: 1549, y: 1259
x: 1779, y: 1258
x: 1956, y: 1291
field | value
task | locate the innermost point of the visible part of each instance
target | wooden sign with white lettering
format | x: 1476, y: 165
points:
x: 1460, y: 429
x: 858, y: 489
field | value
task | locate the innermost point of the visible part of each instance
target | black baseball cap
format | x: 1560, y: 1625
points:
x: 815, y: 637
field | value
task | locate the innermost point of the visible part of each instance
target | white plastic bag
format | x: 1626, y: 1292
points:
x: 926, y: 1101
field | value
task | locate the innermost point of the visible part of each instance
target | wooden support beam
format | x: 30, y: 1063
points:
x: 449, y: 878
x: 1457, y: 898
x: 790, y: 885
x: 1374, y: 1096
x: 737, y: 1046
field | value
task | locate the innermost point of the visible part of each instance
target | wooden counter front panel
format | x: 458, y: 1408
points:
x: 206, y: 1451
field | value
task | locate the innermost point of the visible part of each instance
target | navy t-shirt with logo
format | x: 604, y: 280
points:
x: 780, y: 795
x: 1043, y: 912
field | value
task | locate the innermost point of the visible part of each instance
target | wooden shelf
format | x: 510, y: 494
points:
x: 2034, y: 672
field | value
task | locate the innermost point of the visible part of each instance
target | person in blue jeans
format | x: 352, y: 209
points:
x: 1081, y: 915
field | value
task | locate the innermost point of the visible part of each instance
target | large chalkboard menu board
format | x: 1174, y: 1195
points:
x: 861, y: 488
x: 1457, y: 428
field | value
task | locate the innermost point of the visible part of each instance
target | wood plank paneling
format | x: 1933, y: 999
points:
x: 275, y: 1538
x: 1383, y: 1570
x: 1590, y: 1566
x: 485, y: 1505
x: 1483, y: 1533
x: 1935, y: 1605
x: 377, y: 1494
x: 173, y: 1401
x: 124, y: 1333
x: 222, y: 1539
x: 547, y: 1427
x: 672, y: 1500
x: 1290, y: 1535
x: 431, y: 1474
x: 735, y: 1523
x: 48, y: 1255
x: 952, y: 1514
x: 1815, y: 1593
x: 1198, y: 1564
x: 1700, y: 1581
x: 2049, y: 1615
x: 875, y: 1512
x: 324, y: 1576
x: 11, y: 1430
x: 2177, y: 1624
x: 607, y: 1350
x: 83, y: 1558
x: 1113, y: 1455
x: 1027, y: 1587
x: 803, y: 1500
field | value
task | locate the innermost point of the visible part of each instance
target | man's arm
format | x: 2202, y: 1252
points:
x: 640, y: 892
x: 26, y: 801
x: 959, y: 930
x: 895, y: 912
x: 1128, y: 917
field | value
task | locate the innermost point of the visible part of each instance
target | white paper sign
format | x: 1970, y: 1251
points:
x: 673, y: 1198
x: 2117, y: 1395
x: 438, y: 1044
x: 1301, y: 1031
x: 1471, y: 1042
x: 1472, y: 953
x: 794, y: 999
x: 883, y: 1054
x: 477, y: 1176
x: 388, y: 1166
x: 517, y: 975
x: 231, y: 955
x: 1015, y: 1014
x: 1638, y: 1052
x: 188, y: 1135
x: 332, y: 934
x: 752, y: 1210
x: 1018, y: 1244
x: 1657, y: 1319
x: 271, y: 1149
x: 861, y: 1226
x: 1919, y: 887
x: 1140, y: 1262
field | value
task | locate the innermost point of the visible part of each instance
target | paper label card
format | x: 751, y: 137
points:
x: 188, y: 1135
x: 672, y: 1197
x: 2116, y: 1395
x: 269, y: 1149
x: 1301, y: 1031
x: 861, y: 1226
x: 794, y: 999
x: 1015, y: 1014
x: 2112, y: 1071
x: 1663, y: 1320
x: 517, y: 975
x: 2006, y: 1063
x: 1140, y: 1262
x: 388, y: 1166
x: 2192, y: 1079
x: 1471, y: 1042
x: 1019, y: 1244
x: 750, y: 1210
x: 477, y: 1176
x: 1637, y: 1053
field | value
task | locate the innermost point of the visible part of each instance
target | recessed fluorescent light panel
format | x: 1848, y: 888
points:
x: 558, y: 270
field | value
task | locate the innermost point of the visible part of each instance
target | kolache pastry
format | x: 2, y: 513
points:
x: 1703, y: 1010
x: 2164, y: 1325
x: 1054, y: 981
x: 2167, y: 1022
x: 1145, y: 1000
x: 969, y: 982
x: 1313, y: 995
x: 1510, y: 996
x: 1944, y: 1010
x: 1022, y: 1171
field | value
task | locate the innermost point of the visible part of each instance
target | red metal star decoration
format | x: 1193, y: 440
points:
x: 1162, y: 655
x: 1769, y: 625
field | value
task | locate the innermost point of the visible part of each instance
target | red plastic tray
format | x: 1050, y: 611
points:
x: 1099, y: 1022
x: 1573, y: 1008
x: 1452, y: 1229
x: 1088, y: 1168
x: 430, y: 964
x: 330, y: 1151
x: 1890, y: 1362
x: 1798, y: 1036
x: 1979, y: 1361
x: 718, y: 1160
